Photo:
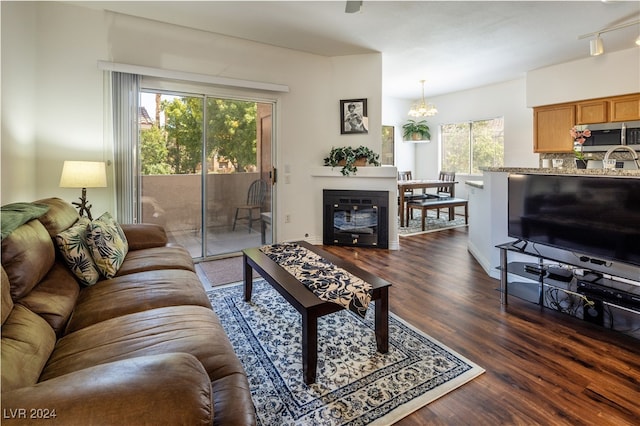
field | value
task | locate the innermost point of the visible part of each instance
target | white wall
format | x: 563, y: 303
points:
x: 394, y: 113
x: 615, y: 73
x: 68, y: 118
x: 18, y: 137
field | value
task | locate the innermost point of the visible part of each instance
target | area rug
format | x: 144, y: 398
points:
x: 355, y: 385
x: 433, y: 224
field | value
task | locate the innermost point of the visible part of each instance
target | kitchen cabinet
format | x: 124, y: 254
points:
x: 591, y: 112
x: 625, y: 108
x: 551, y: 123
x: 551, y: 128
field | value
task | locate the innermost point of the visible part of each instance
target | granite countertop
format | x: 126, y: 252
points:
x: 564, y: 171
x: 475, y: 183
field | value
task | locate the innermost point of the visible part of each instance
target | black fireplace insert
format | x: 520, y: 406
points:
x: 356, y: 218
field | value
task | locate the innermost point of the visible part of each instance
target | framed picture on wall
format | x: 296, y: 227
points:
x: 386, y: 157
x: 353, y: 116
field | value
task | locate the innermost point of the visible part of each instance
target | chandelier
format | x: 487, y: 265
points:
x: 423, y: 109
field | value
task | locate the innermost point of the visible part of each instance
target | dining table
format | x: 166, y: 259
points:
x: 406, y: 185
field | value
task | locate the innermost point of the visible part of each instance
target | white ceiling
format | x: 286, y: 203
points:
x: 453, y: 45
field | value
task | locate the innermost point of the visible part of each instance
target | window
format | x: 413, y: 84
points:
x: 199, y: 155
x: 466, y: 147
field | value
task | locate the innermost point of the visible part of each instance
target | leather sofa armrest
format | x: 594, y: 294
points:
x: 144, y: 235
x: 158, y: 389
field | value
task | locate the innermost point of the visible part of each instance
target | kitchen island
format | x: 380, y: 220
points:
x: 563, y: 171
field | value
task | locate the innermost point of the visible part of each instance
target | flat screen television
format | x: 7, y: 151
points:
x: 590, y: 215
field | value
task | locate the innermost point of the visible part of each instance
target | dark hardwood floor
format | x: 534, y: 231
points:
x: 542, y: 367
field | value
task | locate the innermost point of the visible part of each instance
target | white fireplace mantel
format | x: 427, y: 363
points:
x: 384, y: 172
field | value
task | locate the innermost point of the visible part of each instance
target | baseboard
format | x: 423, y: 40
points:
x: 483, y: 261
x: 317, y: 241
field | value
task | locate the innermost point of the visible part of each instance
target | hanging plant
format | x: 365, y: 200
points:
x: 349, y: 158
x: 416, y: 130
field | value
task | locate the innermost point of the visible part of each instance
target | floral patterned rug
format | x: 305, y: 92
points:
x: 355, y: 384
x: 433, y: 223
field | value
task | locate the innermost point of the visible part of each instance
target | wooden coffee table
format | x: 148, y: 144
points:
x: 310, y: 306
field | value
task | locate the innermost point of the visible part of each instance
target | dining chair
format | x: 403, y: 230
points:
x: 445, y: 191
x: 409, y: 194
x: 405, y: 175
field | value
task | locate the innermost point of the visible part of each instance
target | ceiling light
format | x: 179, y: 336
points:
x: 596, y: 46
x: 422, y: 109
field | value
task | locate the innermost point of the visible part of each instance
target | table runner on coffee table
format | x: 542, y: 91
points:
x: 326, y: 280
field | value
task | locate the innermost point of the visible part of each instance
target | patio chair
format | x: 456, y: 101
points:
x: 255, y: 198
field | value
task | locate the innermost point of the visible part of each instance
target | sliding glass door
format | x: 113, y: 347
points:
x: 205, y: 166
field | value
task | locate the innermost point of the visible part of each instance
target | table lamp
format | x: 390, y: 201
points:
x: 83, y: 174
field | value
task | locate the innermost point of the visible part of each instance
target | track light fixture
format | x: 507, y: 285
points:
x: 596, y: 46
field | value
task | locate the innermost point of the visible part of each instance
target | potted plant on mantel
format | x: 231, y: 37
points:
x: 350, y: 158
x: 416, y: 130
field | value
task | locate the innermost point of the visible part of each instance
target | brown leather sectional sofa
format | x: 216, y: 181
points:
x: 143, y: 347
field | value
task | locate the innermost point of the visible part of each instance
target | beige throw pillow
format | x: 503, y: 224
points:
x: 108, y: 244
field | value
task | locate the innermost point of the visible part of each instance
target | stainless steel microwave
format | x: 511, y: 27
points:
x: 609, y: 135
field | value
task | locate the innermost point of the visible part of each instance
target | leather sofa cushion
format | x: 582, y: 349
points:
x: 190, y: 329
x: 27, y: 256
x: 171, y: 389
x: 157, y: 258
x: 54, y: 297
x: 61, y: 215
x: 27, y: 343
x: 232, y: 400
x: 144, y: 235
x: 135, y: 293
x: 7, y: 301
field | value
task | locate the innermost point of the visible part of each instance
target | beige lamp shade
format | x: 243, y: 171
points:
x: 83, y: 174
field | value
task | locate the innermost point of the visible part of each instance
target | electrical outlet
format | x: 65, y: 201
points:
x: 287, y: 218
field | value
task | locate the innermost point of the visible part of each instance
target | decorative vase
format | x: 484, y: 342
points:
x: 581, y: 164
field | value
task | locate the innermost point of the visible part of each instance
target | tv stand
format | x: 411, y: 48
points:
x: 554, y: 284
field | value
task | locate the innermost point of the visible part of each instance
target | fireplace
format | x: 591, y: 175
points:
x: 356, y: 218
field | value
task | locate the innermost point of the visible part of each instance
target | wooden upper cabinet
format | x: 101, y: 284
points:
x: 551, y: 128
x: 591, y: 112
x: 551, y: 123
x: 625, y: 108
